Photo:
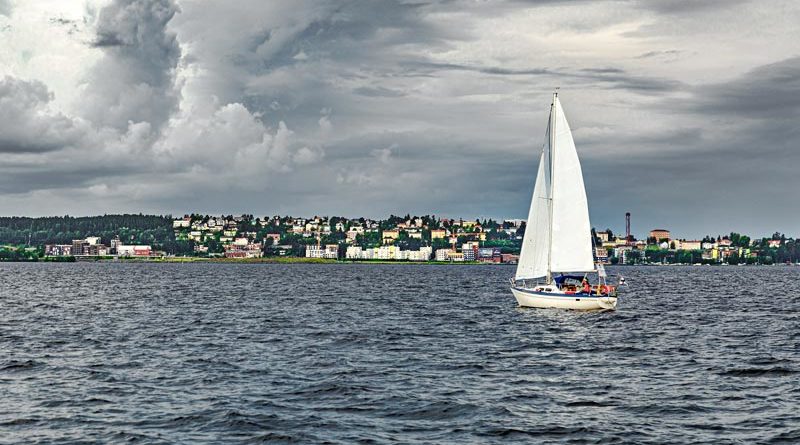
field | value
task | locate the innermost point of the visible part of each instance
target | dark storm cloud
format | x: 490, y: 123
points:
x: 679, y: 7
x: 135, y: 81
x: 609, y: 77
x: 770, y: 91
x: 735, y: 170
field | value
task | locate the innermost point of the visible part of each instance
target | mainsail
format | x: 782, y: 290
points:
x: 558, y: 235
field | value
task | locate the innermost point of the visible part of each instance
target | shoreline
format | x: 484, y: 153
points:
x: 303, y: 260
x: 269, y: 260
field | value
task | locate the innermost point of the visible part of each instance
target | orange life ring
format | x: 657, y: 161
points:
x: 604, y: 289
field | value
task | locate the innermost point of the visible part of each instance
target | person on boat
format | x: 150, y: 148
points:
x: 586, y: 287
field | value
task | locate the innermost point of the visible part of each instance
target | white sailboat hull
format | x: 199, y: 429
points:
x: 578, y: 302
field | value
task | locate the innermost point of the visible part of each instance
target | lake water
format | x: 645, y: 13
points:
x: 221, y: 353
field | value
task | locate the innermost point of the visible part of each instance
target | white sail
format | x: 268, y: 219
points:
x: 557, y: 238
x: 571, y: 247
x: 533, y: 257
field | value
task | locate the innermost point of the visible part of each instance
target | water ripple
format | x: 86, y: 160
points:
x: 268, y: 353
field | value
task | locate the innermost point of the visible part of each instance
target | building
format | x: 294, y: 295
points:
x: 438, y: 233
x: 115, y: 242
x: 274, y: 238
x: 58, y: 249
x: 390, y: 235
x: 353, y: 232
x: 456, y: 257
x: 423, y: 254
x: 603, y: 236
x: 470, y: 251
x: 601, y: 254
x: 623, y: 253
x: 509, y: 258
x: 77, y: 247
x: 490, y: 255
x: 660, y: 234
x: 689, y: 245
x: 443, y: 254
x: 243, y: 250
x: 329, y: 251
x: 123, y: 250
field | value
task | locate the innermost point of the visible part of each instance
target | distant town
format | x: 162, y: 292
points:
x: 397, y: 238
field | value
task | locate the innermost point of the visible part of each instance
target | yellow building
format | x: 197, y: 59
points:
x: 390, y: 235
x: 438, y: 233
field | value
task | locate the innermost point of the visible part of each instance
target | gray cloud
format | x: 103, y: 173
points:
x: 136, y: 80
x: 770, y: 91
x: 26, y: 125
x: 364, y: 107
x: 675, y: 7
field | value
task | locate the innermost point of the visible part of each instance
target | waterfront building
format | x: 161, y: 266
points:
x: 329, y: 251
x: 131, y: 250
x: 77, y: 247
x: 490, y: 255
x: 443, y: 254
x: 601, y: 254
x: 58, y: 249
x: 509, y: 258
x: 354, y: 253
x: 623, y: 253
x: 469, y: 251
x: 456, y: 257
x: 423, y: 254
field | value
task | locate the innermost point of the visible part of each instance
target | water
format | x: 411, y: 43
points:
x: 221, y: 353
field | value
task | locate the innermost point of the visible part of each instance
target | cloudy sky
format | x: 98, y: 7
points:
x: 685, y: 113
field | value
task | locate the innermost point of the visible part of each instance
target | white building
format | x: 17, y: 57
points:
x: 388, y: 253
x: 133, y: 250
x: 423, y: 254
x: 443, y: 254
x: 330, y: 251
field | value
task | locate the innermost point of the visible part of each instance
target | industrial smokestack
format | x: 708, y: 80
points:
x: 628, y: 226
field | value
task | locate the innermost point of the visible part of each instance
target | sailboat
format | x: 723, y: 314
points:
x: 557, y: 257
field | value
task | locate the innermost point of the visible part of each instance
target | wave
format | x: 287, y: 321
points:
x: 759, y: 372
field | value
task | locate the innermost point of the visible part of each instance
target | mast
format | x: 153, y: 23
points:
x: 550, y: 198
